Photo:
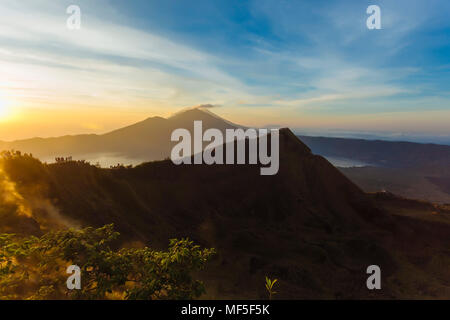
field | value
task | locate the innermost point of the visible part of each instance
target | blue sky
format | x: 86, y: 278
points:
x: 296, y: 48
x: 303, y: 64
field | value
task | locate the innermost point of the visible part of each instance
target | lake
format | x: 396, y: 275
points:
x: 106, y: 160
x: 346, y: 163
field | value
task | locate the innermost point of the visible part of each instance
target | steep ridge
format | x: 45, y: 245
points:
x: 308, y: 225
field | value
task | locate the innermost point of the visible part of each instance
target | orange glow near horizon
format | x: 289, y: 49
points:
x: 39, y: 121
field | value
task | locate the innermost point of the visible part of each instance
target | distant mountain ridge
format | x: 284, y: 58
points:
x: 148, y: 139
x: 412, y: 170
x: 382, y: 153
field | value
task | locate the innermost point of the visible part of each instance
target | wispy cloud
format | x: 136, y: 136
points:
x: 104, y: 58
x: 286, y: 59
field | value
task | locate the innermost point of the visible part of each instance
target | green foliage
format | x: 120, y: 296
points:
x: 35, y: 268
x: 269, y: 287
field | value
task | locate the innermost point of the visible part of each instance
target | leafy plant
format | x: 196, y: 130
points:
x: 35, y: 268
x: 269, y: 287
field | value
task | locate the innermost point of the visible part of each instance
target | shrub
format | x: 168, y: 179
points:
x: 35, y: 267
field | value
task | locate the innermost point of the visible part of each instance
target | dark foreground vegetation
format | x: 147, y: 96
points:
x: 35, y: 267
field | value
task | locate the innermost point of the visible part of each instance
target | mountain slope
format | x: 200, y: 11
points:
x: 413, y: 170
x: 308, y: 225
x: 383, y: 153
x: 148, y: 139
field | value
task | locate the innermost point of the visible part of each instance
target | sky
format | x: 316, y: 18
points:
x: 313, y: 66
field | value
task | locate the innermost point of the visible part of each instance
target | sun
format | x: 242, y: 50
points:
x: 4, y: 110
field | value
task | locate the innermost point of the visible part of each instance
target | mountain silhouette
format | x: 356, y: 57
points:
x: 148, y: 139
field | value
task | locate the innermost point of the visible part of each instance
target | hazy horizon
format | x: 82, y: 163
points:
x: 326, y: 132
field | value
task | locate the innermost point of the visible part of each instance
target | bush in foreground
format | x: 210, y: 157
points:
x: 35, y: 268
